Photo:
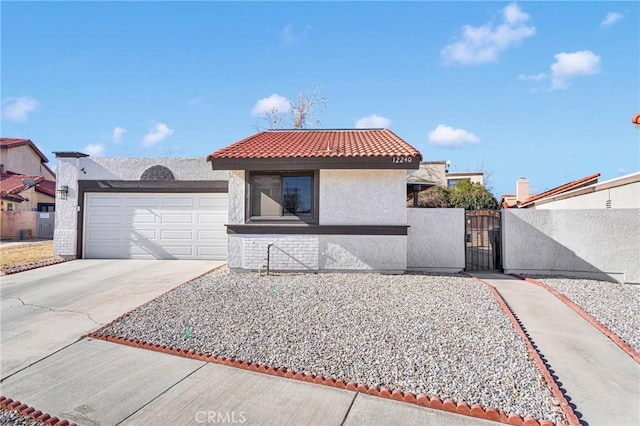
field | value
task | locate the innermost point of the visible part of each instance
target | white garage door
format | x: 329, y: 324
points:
x: 155, y: 226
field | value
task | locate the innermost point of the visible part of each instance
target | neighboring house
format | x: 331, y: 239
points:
x: 27, y: 185
x: 432, y: 173
x: 619, y: 193
x: 318, y: 200
x: 140, y: 208
x: 436, y: 173
x: 523, y: 198
x: 21, y: 160
x: 22, y: 156
x: 473, y: 177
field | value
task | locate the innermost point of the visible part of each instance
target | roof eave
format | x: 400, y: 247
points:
x: 316, y: 163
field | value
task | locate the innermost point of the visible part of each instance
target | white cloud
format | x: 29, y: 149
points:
x: 289, y: 35
x: 96, y: 150
x: 449, y: 137
x: 274, y: 103
x: 17, y: 109
x: 611, y: 18
x: 480, y: 45
x: 159, y: 132
x: 118, y: 133
x: 569, y: 65
x: 373, y: 121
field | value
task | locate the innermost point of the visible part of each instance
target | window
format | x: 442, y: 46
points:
x: 9, y: 207
x: 452, y: 182
x: 46, y: 207
x: 282, y: 196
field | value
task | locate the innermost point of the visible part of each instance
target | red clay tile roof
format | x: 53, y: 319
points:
x: 12, y: 143
x: 47, y: 187
x: 311, y: 143
x: 562, y: 188
x: 11, y: 185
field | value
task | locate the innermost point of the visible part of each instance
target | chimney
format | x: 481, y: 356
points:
x: 522, y: 189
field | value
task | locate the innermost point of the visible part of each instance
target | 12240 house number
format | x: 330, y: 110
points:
x: 398, y: 160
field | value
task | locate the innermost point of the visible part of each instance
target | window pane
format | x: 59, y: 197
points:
x: 296, y: 195
x: 265, y: 198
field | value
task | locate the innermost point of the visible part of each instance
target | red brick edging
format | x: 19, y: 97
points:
x: 423, y: 400
x: 30, y: 412
x: 588, y: 317
x: 22, y: 268
x: 548, y: 378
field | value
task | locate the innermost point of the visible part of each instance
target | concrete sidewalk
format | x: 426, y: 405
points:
x: 93, y: 382
x: 598, y: 377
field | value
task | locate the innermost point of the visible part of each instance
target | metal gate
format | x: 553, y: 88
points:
x: 45, y: 223
x: 483, y: 245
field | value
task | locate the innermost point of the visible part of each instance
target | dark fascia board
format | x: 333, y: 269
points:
x: 316, y: 163
x: 154, y: 186
x: 253, y: 229
x: 69, y: 154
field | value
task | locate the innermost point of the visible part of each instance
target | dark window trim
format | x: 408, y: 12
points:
x: 256, y: 229
x: 283, y: 219
x: 316, y: 163
x: 136, y: 186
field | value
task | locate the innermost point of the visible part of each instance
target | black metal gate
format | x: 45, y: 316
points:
x: 483, y: 245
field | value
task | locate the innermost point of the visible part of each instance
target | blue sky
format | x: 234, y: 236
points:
x: 544, y: 90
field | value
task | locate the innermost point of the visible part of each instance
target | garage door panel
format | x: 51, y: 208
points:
x: 176, y: 234
x: 103, y: 235
x: 103, y: 219
x: 203, y: 218
x: 140, y: 202
x: 142, y: 234
x: 177, y: 202
x: 105, y: 201
x: 139, y: 218
x: 156, y: 226
x: 211, y: 234
x: 214, y: 252
x: 176, y: 218
x: 220, y: 202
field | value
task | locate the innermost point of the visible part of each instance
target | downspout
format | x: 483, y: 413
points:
x: 268, y: 257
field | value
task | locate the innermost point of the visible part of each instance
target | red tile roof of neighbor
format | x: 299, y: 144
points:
x: 11, y: 185
x: 311, y: 143
x: 47, y: 187
x: 13, y: 142
x: 588, y: 180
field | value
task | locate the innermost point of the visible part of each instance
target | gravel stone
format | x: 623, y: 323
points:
x: 441, y: 335
x: 14, y: 418
x: 615, y: 305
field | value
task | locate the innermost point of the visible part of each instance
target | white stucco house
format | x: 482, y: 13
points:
x: 318, y: 200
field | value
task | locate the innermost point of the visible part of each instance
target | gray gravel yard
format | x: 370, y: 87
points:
x: 442, y: 335
x: 615, y: 305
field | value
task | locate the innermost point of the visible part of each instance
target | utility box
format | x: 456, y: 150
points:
x: 26, y: 234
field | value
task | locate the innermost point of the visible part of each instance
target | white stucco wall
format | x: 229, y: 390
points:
x: 346, y: 197
x: 236, y: 196
x: 69, y: 171
x: 327, y: 253
x: 435, y: 241
x: 593, y: 243
x: 621, y: 197
x: 362, y: 197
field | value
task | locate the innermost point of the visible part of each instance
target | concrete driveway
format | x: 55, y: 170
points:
x: 47, y: 309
